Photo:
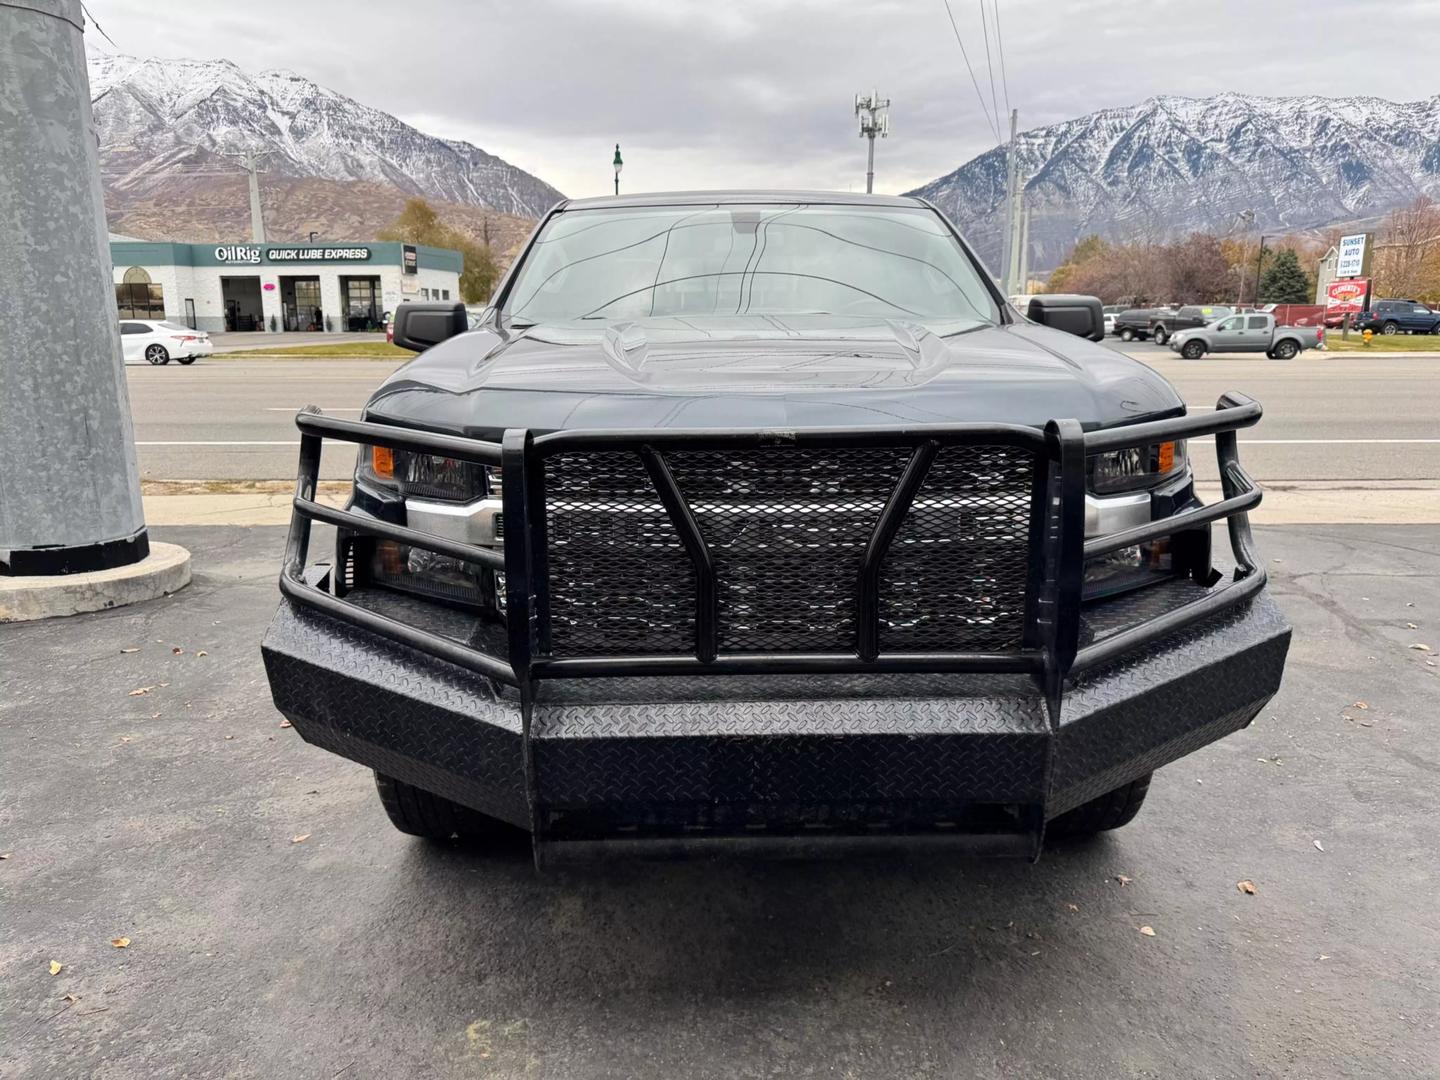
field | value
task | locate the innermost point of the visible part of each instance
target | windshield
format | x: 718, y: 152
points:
x: 637, y: 262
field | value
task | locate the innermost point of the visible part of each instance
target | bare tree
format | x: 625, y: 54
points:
x: 1406, y: 262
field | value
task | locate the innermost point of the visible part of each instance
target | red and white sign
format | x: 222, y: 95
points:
x: 1342, y: 297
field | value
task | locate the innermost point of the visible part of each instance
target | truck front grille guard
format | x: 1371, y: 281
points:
x: 1057, y: 548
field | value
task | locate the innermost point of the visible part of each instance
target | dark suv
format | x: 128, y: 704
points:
x: 1393, y: 316
x: 761, y: 519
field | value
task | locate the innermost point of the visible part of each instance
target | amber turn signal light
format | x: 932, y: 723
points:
x: 382, y: 461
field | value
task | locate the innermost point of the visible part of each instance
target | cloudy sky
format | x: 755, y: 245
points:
x: 716, y: 93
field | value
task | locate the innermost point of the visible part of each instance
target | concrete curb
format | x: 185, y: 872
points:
x: 166, y: 570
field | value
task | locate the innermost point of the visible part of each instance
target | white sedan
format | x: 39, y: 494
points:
x: 157, y: 342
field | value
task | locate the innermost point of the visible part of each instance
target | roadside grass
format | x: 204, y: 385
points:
x: 380, y: 350
x: 1380, y: 343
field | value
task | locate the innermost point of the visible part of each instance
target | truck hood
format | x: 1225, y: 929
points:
x: 765, y: 371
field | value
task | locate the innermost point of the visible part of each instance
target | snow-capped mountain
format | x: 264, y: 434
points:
x: 1170, y: 165
x: 160, y: 119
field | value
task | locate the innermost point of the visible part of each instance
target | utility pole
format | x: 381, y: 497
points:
x: 619, y: 164
x: 1024, y: 284
x: 1007, y: 252
x: 874, y: 116
x: 71, y: 499
x: 257, y: 216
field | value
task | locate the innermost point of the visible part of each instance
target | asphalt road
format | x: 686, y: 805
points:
x: 1335, y: 417
x: 278, y: 926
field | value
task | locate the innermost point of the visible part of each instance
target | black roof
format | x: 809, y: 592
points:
x: 760, y: 195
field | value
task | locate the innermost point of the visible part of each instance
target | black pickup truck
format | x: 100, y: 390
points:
x: 760, y: 520
x: 1189, y: 317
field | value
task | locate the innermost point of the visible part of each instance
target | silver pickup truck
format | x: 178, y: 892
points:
x: 1251, y: 332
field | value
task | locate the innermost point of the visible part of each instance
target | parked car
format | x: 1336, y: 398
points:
x: 835, y: 549
x: 1133, y: 324
x: 1188, y: 317
x: 1252, y: 332
x: 1393, y: 316
x: 160, y: 341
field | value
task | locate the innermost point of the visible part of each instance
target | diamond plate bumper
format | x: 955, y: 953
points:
x: 848, y: 757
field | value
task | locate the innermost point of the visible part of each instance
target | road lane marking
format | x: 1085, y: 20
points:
x: 243, y: 442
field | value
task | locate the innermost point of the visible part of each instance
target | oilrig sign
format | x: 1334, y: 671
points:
x: 250, y: 254
x: 1353, y: 251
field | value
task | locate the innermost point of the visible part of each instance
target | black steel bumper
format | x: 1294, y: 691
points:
x: 780, y: 749
x: 969, y: 760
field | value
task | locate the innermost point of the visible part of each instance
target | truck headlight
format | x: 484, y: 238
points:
x: 424, y: 573
x: 428, y: 476
x: 1135, y: 468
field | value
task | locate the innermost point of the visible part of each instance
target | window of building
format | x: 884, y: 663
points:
x: 444, y: 294
x: 424, y: 294
x: 137, y: 297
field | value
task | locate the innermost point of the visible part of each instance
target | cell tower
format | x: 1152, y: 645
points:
x: 872, y: 110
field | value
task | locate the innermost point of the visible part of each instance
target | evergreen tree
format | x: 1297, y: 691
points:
x: 1284, y: 282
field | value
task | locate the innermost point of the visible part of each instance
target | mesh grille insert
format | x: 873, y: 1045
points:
x: 787, y: 529
x: 956, y: 572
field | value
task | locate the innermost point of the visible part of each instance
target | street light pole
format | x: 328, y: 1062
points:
x: 1259, y: 262
x: 619, y: 164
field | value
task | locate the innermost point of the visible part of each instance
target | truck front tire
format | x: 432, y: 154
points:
x: 1109, y: 811
x: 417, y: 812
x: 1160, y: 336
x: 1127, y: 334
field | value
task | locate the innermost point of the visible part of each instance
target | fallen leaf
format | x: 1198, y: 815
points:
x: 1322, y: 956
x: 297, y: 839
x: 6, y: 854
x: 1420, y: 646
x: 176, y: 651
x: 1360, y: 705
x: 1411, y: 626
x: 1319, y: 846
x: 1123, y: 880
x: 71, y: 998
x: 1147, y: 931
x: 1247, y: 886
x: 120, y: 942
x: 229, y: 736
x: 1073, y: 907
x: 284, y: 723
x: 140, y: 690
x: 137, y: 650
x: 55, y: 967
x: 202, y: 652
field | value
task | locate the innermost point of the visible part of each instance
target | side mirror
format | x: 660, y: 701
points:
x: 419, y: 326
x: 1082, y: 316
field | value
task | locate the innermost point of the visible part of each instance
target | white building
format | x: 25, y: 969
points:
x: 329, y: 285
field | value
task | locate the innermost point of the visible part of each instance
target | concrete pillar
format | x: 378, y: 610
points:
x: 69, y: 484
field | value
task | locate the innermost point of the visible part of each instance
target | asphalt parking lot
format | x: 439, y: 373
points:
x: 279, y: 927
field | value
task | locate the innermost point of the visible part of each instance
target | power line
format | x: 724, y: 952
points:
x: 994, y: 103
x: 1000, y: 48
x: 990, y: 120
